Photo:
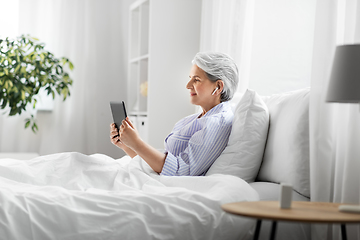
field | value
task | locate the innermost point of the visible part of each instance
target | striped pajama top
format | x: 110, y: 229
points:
x: 195, y: 143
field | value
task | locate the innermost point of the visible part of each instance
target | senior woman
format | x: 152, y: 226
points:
x: 196, y: 141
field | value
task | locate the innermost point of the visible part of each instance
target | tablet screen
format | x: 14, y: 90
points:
x: 118, y: 111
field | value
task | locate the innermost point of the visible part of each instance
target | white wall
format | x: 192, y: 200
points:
x: 174, y: 41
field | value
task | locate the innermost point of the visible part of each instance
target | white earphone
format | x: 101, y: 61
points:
x: 215, y: 90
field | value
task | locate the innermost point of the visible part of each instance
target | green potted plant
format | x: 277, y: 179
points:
x: 25, y: 68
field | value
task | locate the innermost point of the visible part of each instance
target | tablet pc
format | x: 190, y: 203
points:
x: 118, y: 112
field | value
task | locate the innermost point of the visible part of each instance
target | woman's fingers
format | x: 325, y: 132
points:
x: 126, y: 133
x: 112, y: 126
x: 126, y: 124
x: 113, y: 130
x: 123, y: 124
x: 129, y: 122
x: 114, y: 134
x: 114, y: 139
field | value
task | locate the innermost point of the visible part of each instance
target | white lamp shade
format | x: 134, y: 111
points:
x: 344, y: 85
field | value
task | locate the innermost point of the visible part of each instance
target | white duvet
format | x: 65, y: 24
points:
x: 75, y: 196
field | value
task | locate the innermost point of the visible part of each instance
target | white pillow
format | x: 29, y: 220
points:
x: 286, y: 157
x: 243, y: 154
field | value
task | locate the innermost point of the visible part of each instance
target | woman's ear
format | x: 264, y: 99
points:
x: 220, y: 85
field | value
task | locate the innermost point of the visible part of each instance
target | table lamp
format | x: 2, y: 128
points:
x: 344, y: 86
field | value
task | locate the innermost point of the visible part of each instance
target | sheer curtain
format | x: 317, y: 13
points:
x: 92, y: 34
x: 226, y: 27
x: 271, y: 41
x: 334, y: 127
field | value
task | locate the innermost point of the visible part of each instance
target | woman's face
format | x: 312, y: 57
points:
x: 201, y: 89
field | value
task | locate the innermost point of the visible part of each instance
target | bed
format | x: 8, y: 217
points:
x: 76, y: 196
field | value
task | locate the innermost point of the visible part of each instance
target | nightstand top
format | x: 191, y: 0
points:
x: 314, y: 212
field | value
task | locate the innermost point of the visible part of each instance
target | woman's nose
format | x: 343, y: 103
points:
x: 189, y: 85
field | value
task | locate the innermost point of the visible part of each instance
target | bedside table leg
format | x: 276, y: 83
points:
x: 257, y: 230
x: 343, y: 232
x: 273, y: 230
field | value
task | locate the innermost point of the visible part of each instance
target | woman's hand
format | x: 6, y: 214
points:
x: 128, y: 139
x: 114, y: 135
x: 115, y: 139
x: 128, y: 134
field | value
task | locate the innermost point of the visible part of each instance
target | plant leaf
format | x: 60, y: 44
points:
x: 34, y: 104
x: 27, y: 123
x: 4, y: 103
x: 71, y: 66
x: 34, y: 127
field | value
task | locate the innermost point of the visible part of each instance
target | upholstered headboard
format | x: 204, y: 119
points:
x: 286, y: 156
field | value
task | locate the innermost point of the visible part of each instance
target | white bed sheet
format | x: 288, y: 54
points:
x: 76, y: 196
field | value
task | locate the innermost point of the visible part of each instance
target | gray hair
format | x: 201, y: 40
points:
x: 219, y: 66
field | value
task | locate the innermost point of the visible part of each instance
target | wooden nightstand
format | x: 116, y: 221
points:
x: 311, y: 212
